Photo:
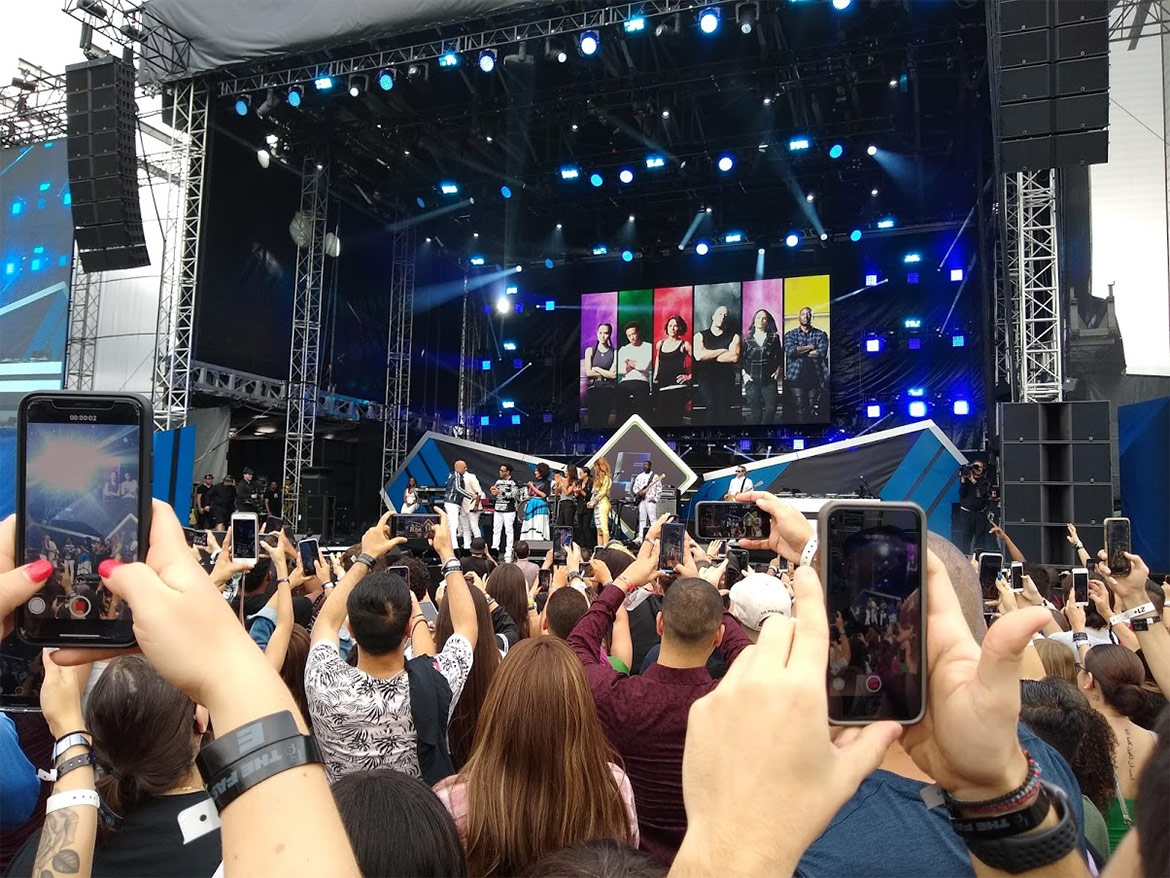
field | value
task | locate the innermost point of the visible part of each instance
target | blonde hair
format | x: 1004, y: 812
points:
x: 1057, y: 659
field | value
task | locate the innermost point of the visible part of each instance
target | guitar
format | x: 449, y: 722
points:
x: 641, y: 495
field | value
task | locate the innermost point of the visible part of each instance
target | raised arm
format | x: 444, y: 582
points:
x: 459, y: 600
x: 1012, y: 549
x: 421, y: 640
x: 1131, y: 589
x: 376, y: 542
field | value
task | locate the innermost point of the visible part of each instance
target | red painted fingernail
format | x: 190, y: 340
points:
x: 106, y: 568
x: 39, y: 571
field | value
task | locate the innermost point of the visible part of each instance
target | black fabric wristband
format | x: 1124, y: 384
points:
x: 261, y: 764
x: 237, y: 744
x: 366, y: 559
x: 1144, y: 624
x: 76, y: 762
x: 1003, y: 825
x: 1080, y: 637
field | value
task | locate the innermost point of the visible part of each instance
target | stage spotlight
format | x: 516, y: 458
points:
x: 506, y: 191
x: 842, y: 5
x: 477, y: 260
x: 569, y: 172
x: 917, y: 409
x: 792, y: 240
x: 911, y: 258
x: 507, y: 403
x: 655, y: 161
x: 243, y: 102
x: 550, y: 305
x: 323, y: 83
x: 917, y: 392
x: 428, y: 240
x: 386, y: 80
x: 449, y: 188
x: 294, y: 96
x: 797, y: 144
x: 630, y: 218
x: 824, y: 236
x: 956, y: 274
x: 873, y: 411
x: 871, y: 150
x: 421, y: 202
x: 958, y: 341
x: 515, y: 420
x: 873, y: 344
x: 595, y: 180
x: 485, y: 420
x: 912, y: 323
x: 836, y: 151
x: 600, y: 250
x: 961, y: 407
x: 519, y: 268
x: 760, y: 252
x: 746, y: 15
x: 798, y: 444
x: 666, y: 112
x: 634, y: 25
x: 449, y: 59
x: 893, y: 83
x: 627, y: 256
x: 589, y: 43
x: 357, y: 84
x: 263, y: 157
x: 548, y: 263
x: 733, y: 238
x: 487, y: 60
x: 810, y: 198
x: 503, y: 306
x: 855, y: 235
x: 560, y: 226
x: 873, y: 192
x: 726, y: 163
x: 709, y: 20
x: 511, y: 290
x: 871, y: 280
x: 626, y: 175
x: 707, y: 211
x: 887, y: 223
x: 702, y: 248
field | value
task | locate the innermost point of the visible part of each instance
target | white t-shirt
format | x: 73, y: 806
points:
x: 641, y: 354
x: 362, y: 723
x: 1096, y: 638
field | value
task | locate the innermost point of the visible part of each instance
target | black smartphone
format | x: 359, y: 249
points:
x: 990, y: 563
x: 273, y: 523
x: 585, y: 569
x: 1017, y: 577
x: 562, y: 542
x: 670, y: 546
x: 310, y: 551
x: 22, y: 670
x: 873, y: 564
x: 1080, y: 580
x: 1117, y: 543
x: 82, y: 497
x: 398, y: 570
x: 726, y: 520
x: 737, y: 565
x: 413, y: 527
x: 245, y: 536
x: 195, y: 537
x: 544, y: 579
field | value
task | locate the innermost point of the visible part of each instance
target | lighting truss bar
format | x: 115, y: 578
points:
x: 269, y: 393
x: 162, y: 52
x: 1132, y: 20
x: 466, y: 44
x: 1004, y: 287
x: 1036, y: 305
x: 81, y: 344
x: 399, y: 331
x: 28, y: 117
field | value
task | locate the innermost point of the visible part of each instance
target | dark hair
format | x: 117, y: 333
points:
x: 379, y: 608
x: 541, y: 470
x: 1119, y: 675
x: 770, y: 326
x: 601, y: 858
x: 1154, y: 803
x: 485, y: 660
x: 506, y: 466
x: 420, y: 575
x: 510, y: 589
x: 521, y: 549
x: 633, y: 324
x: 682, y: 324
x: 256, y: 578
x: 1093, y: 619
x: 615, y: 560
x: 293, y: 670
x: 1058, y: 712
x: 691, y: 611
x: 143, y: 733
x: 563, y: 610
x: 397, y: 826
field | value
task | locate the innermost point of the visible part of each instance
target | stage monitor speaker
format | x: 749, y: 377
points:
x: 317, y: 514
x: 103, y: 164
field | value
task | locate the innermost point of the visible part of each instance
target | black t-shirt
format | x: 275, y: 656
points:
x: 149, y: 842
x: 480, y: 564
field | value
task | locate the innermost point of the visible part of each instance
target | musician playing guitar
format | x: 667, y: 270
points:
x: 646, y: 488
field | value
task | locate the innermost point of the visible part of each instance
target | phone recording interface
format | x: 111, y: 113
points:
x: 413, y: 527
x: 562, y: 542
x: 309, y: 551
x: 731, y: 521
x: 1117, y: 543
x: 874, y: 561
x: 670, y: 546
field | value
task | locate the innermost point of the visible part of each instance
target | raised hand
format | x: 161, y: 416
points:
x: 1131, y: 587
x: 441, y: 537
x: 376, y: 541
x: 790, y: 532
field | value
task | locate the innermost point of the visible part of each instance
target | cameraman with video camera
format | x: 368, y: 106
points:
x: 974, y: 494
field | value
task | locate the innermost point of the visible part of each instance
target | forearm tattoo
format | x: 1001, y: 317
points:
x: 54, y: 857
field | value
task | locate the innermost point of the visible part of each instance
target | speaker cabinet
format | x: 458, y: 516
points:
x: 1021, y: 462
x: 1022, y: 503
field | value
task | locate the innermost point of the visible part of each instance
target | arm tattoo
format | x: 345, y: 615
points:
x: 53, y: 857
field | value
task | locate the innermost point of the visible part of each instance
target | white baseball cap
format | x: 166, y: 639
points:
x: 758, y: 596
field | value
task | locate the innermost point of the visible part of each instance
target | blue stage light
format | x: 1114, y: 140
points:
x: 733, y: 238
x: 912, y: 323
x: 569, y: 172
x: 855, y: 235
x: 386, y: 80
x: 548, y: 263
x: 911, y: 258
x: 595, y: 180
x: 600, y: 250
x: 798, y: 444
x: 487, y: 60
x: 420, y: 202
x: 873, y: 344
x: 887, y: 223
x: 956, y: 274
x: 873, y: 411
x: 515, y: 420
x: 797, y: 144
x: 871, y: 150
x: 625, y: 175
x: 842, y: 5
x: 509, y: 345
x: 294, y: 96
x: 511, y: 290
x: 917, y: 409
x: 242, y: 104
x: 792, y: 240
x: 836, y: 151
x: 323, y: 83
x: 506, y: 191
x: 726, y: 163
x: 912, y: 277
x: 958, y: 341
x: 627, y: 256
x: 702, y: 248
x: 655, y: 161
x: 961, y: 407
x: 503, y: 305
x: 709, y: 20
x: 914, y: 344
x: 871, y: 280
x: 449, y: 59
x: 485, y: 365
x: 517, y: 363
x: 550, y: 305
x: 477, y: 260
x: 916, y: 391
x: 449, y: 188
x: 634, y: 25
x: 484, y: 420
x: 508, y: 403
x: 589, y: 43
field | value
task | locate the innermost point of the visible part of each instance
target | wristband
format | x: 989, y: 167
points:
x: 68, y: 799
x: 1078, y: 545
x: 1023, y: 853
x: 282, y: 579
x: 1080, y: 637
x: 960, y: 809
x: 416, y: 624
x: 261, y: 764
x: 1144, y: 624
x: 452, y: 566
x: 73, y: 739
x: 810, y: 551
x: 55, y: 774
x: 367, y: 559
x: 1126, y: 615
x: 1006, y: 824
x: 237, y: 744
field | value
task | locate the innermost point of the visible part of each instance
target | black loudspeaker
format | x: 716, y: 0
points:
x: 103, y: 164
x: 1089, y: 422
x: 1092, y: 504
x: 1018, y: 15
x: 1091, y: 463
x: 1020, y: 462
x: 1027, y: 83
x: 1022, y: 503
x: 317, y: 511
x: 1019, y: 422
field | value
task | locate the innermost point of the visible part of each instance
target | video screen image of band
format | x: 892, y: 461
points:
x: 750, y: 352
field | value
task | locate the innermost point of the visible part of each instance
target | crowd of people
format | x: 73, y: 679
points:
x: 358, y: 718
x: 214, y: 502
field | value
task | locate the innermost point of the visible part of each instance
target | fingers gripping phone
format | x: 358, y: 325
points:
x: 413, y: 527
x: 1017, y: 577
x: 310, y: 551
x: 874, y: 572
x: 725, y: 520
x: 1117, y: 543
x: 83, y: 497
x: 990, y: 563
x: 562, y: 542
x: 1080, y: 580
x: 544, y: 579
x: 245, y: 536
x: 670, y: 546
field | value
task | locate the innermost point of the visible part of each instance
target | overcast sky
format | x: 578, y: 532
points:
x: 40, y: 32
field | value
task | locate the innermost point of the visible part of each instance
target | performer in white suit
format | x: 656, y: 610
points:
x: 456, y: 503
x: 646, y: 488
x: 473, y: 506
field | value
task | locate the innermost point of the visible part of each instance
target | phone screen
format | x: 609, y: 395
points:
x: 1080, y: 576
x: 22, y: 670
x: 309, y: 550
x: 670, y: 546
x: 1017, y: 576
x: 399, y: 570
x: 413, y: 527
x: 990, y: 563
x: 873, y: 557
x: 244, y: 534
x: 544, y: 579
x: 83, y: 498
x: 737, y: 565
x: 719, y: 520
x: 1117, y: 542
x: 430, y: 611
x: 562, y: 542
x: 195, y: 537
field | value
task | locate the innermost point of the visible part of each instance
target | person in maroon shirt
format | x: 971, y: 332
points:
x: 645, y: 716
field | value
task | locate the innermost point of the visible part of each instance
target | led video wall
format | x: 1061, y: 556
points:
x: 725, y: 354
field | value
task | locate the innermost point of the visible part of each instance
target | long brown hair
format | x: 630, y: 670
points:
x: 1119, y: 674
x: 293, y: 670
x: 601, y: 470
x: 485, y: 660
x: 539, y: 778
x: 510, y: 589
x: 1057, y: 659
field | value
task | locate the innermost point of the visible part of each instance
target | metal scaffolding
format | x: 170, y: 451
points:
x: 1005, y: 285
x: 81, y: 343
x: 305, y: 342
x: 32, y: 107
x: 399, y: 331
x: 182, y: 227
x: 1033, y: 281
x: 465, y: 419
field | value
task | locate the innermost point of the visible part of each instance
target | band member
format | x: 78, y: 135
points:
x: 763, y: 361
x: 457, y: 502
x: 410, y: 501
x: 646, y: 489
x: 807, y: 372
x: 599, y: 500
x: 505, y: 491
x: 568, y: 488
x: 475, y: 506
x: 585, y: 528
x: 672, y: 373
x: 634, y: 361
x: 717, y: 352
x: 536, y: 509
x: 741, y: 484
x: 248, y: 494
x: 601, y: 372
x: 203, y: 517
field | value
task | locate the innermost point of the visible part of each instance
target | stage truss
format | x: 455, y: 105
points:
x: 85, y: 295
x: 399, y: 333
x: 34, y: 111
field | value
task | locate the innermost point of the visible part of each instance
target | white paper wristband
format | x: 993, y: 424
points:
x: 1126, y: 615
x: 68, y: 799
x: 810, y: 551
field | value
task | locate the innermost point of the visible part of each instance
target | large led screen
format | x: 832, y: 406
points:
x: 750, y: 352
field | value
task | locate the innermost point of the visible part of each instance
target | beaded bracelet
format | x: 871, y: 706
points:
x: 1021, y: 797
